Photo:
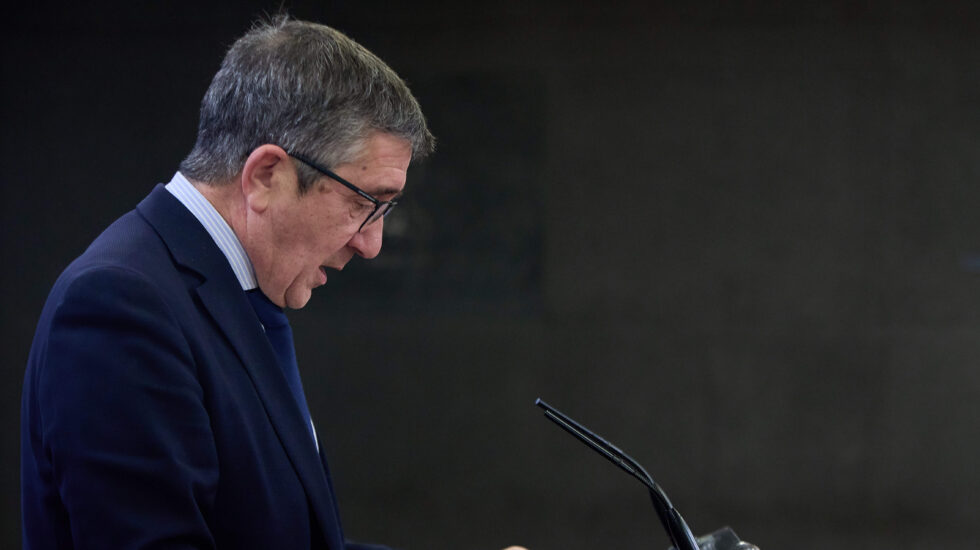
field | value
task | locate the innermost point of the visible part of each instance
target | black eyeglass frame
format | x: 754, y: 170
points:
x: 381, y: 208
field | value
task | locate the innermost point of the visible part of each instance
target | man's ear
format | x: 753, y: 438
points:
x: 267, y: 173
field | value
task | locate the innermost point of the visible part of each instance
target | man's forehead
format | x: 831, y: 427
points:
x: 382, y: 164
x: 385, y: 149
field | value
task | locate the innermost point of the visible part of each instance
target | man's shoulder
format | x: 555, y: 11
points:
x: 130, y: 244
x: 129, y: 249
x: 134, y: 241
x: 153, y: 256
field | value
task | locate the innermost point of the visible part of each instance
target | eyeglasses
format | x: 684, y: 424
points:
x: 381, y: 208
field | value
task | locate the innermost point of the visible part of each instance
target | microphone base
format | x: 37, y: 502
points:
x: 723, y: 539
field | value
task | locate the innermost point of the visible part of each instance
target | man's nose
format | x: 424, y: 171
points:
x: 367, y: 242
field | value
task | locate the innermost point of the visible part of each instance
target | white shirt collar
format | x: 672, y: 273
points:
x: 217, y: 227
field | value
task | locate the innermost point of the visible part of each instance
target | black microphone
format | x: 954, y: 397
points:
x: 677, y: 529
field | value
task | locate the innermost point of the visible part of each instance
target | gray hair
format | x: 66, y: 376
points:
x: 307, y: 88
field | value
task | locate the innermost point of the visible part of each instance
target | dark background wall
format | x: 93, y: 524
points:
x: 739, y: 239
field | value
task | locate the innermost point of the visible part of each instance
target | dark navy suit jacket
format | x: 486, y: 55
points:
x: 154, y: 413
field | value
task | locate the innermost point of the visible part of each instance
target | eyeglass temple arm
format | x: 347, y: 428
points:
x: 330, y: 174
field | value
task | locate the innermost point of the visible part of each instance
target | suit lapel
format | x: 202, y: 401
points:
x: 224, y: 300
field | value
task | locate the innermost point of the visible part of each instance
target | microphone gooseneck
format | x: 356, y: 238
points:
x: 677, y: 529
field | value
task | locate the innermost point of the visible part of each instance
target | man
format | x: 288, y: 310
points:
x: 162, y: 403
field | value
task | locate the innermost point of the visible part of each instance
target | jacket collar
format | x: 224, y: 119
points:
x: 223, y: 298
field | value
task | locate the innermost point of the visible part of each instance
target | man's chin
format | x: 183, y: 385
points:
x: 297, y: 299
